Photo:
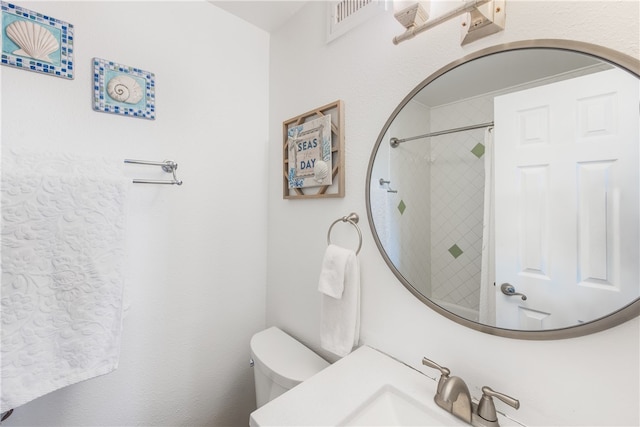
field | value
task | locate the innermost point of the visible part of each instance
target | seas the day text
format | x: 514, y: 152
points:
x: 307, y: 163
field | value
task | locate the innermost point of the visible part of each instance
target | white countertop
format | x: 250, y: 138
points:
x: 331, y: 396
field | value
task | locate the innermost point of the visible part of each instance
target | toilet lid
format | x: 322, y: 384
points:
x: 283, y: 359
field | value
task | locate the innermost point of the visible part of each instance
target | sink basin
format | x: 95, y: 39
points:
x: 391, y: 407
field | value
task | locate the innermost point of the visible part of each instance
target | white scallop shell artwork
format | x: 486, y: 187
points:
x: 320, y: 170
x: 125, y: 89
x: 35, y: 41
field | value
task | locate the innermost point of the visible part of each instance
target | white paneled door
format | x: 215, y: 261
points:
x: 566, y: 200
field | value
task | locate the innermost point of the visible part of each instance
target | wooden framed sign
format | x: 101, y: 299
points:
x: 313, y: 153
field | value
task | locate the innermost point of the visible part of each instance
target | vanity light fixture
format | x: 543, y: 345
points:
x: 481, y: 18
x: 411, y: 14
x: 482, y: 21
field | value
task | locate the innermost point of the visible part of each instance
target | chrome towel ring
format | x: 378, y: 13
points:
x: 352, y: 219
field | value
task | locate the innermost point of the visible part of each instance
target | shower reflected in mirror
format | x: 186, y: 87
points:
x: 516, y: 165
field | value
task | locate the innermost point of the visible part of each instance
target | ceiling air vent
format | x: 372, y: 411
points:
x: 347, y: 14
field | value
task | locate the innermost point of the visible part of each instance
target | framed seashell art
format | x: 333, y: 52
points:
x: 120, y: 89
x: 313, y: 153
x: 36, y: 42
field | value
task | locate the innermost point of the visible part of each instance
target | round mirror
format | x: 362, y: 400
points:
x: 504, y: 191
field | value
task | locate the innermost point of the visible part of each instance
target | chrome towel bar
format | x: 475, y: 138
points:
x: 168, y: 166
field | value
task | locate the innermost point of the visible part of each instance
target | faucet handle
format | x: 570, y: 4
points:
x: 486, y: 407
x: 443, y: 371
x: 430, y: 363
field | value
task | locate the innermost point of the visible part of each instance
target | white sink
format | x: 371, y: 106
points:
x: 391, y: 407
x: 365, y: 388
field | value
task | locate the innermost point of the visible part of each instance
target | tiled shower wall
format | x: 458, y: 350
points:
x: 435, y: 223
x: 410, y: 205
x: 457, y: 201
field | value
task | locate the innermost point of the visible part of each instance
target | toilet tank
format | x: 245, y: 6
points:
x: 280, y: 363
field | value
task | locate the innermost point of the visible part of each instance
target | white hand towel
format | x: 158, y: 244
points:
x: 62, y: 274
x: 340, y: 288
x: 332, y: 275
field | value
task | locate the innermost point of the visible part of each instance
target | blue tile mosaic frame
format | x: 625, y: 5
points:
x: 104, y: 71
x: 56, y: 63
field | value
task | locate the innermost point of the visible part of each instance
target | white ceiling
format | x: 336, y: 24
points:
x: 268, y: 15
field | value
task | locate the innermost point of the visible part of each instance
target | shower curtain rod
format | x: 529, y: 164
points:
x: 395, y: 141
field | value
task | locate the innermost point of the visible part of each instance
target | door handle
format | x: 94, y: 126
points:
x: 509, y: 290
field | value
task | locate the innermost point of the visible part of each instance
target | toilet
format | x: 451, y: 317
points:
x: 280, y: 363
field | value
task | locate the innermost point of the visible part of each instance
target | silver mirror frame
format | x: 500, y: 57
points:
x: 618, y: 317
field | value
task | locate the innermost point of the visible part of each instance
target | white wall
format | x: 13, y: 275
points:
x: 591, y: 380
x: 197, y: 262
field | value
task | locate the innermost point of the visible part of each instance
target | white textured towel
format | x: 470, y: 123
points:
x: 339, y: 285
x: 62, y: 272
x: 332, y: 274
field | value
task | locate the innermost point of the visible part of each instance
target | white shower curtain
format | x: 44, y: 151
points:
x: 487, y: 310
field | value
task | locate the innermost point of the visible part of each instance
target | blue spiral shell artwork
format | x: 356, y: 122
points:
x: 125, y: 89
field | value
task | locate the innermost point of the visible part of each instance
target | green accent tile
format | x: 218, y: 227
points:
x: 402, y: 207
x: 455, y: 251
x: 478, y: 150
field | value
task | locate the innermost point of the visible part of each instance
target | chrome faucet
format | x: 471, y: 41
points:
x: 452, y: 394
